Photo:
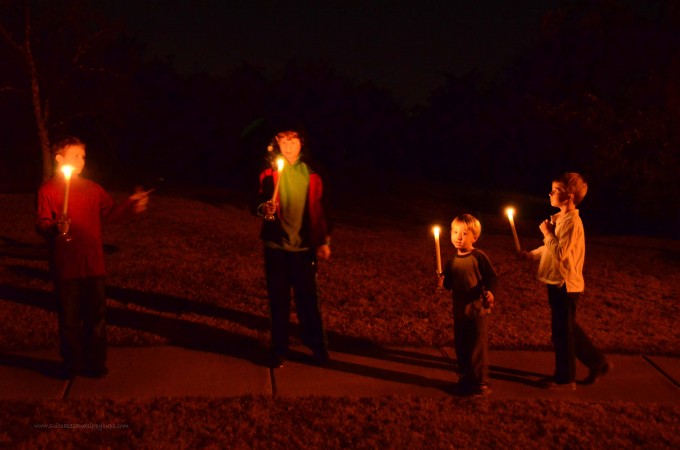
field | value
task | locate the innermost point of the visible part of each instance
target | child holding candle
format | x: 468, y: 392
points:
x: 293, y: 241
x: 471, y: 279
x: 76, y: 256
x: 561, y: 269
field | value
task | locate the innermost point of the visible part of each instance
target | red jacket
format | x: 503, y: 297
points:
x: 88, y: 204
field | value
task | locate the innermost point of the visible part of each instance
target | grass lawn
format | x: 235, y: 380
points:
x: 196, y: 264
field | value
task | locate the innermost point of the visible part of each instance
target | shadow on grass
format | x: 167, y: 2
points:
x: 28, y: 251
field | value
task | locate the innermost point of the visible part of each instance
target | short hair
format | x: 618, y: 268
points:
x: 471, y: 222
x: 60, y: 146
x: 574, y: 184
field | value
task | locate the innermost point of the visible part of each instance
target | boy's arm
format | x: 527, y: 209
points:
x: 561, y: 247
x: 45, y: 223
x: 489, y: 276
x: 447, y: 276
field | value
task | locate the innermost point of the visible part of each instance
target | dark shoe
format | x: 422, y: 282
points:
x: 67, y: 373
x: 96, y: 372
x: 550, y: 383
x: 321, y: 358
x: 276, y: 361
x: 598, y: 372
x: 472, y: 389
x: 481, y: 390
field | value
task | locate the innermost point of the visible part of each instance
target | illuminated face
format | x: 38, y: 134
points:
x: 73, y: 156
x: 558, y: 195
x: 462, y: 238
x: 290, y: 145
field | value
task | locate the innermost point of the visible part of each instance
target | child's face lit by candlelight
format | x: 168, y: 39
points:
x: 290, y: 145
x: 72, y: 156
x: 462, y: 238
x: 559, y: 195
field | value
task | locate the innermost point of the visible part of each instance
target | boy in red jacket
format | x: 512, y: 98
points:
x: 69, y: 215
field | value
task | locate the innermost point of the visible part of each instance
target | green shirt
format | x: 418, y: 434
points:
x: 293, y: 198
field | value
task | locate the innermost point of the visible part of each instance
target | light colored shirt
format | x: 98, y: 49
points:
x: 563, y: 253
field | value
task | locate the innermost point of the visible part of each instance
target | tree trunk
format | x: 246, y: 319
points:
x: 40, y: 111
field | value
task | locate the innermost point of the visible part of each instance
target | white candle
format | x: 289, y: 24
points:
x: 67, y: 171
x: 279, y: 165
x: 511, y: 213
x: 435, y: 230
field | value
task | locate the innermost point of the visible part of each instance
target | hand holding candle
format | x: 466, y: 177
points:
x: 270, y: 206
x: 436, y: 231
x: 511, y: 213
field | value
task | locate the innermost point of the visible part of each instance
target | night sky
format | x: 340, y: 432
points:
x: 404, y: 46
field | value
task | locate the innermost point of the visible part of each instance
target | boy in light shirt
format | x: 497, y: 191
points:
x: 561, y: 268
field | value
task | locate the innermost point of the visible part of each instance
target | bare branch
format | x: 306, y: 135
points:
x: 7, y: 37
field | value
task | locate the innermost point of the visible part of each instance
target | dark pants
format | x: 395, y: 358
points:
x: 297, y: 270
x: 569, y: 340
x: 81, y: 307
x: 470, y: 339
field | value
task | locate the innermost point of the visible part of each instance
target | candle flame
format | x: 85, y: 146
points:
x: 67, y: 171
x: 279, y: 163
x: 510, y: 212
x: 436, y: 230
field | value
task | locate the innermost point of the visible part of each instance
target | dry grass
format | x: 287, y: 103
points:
x: 317, y: 422
x: 190, y: 272
x: 199, y: 262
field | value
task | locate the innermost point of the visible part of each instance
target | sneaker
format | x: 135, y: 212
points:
x: 550, y: 383
x: 598, y: 372
x: 482, y: 390
x: 472, y: 389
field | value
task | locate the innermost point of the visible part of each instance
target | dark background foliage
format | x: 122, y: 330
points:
x: 598, y: 93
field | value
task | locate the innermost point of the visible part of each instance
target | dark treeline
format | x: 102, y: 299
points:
x: 598, y: 93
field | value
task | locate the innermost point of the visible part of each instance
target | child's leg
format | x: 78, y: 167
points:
x: 278, y: 290
x: 303, y: 272
x: 586, y: 352
x: 562, y: 306
x: 68, y: 309
x: 93, y: 306
x: 479, y: 358
x: 463, y: 343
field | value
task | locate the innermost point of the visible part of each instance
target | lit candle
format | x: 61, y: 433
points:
x: 279, y: 165
x: 67, y: 171
x: 435, y: 230
x: 511, y: 213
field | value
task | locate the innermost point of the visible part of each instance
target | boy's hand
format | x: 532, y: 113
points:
x: 63, y: 225
x: 546, y: 227
x: 323, y: 252
x: 488, y: 299
x: 524, y: 255
x: 269, y: 208
x: 140, y: 199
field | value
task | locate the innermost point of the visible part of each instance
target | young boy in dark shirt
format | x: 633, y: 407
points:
x: 471, y: 279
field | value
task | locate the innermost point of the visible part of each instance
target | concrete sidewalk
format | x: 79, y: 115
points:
x: 177, y: 372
